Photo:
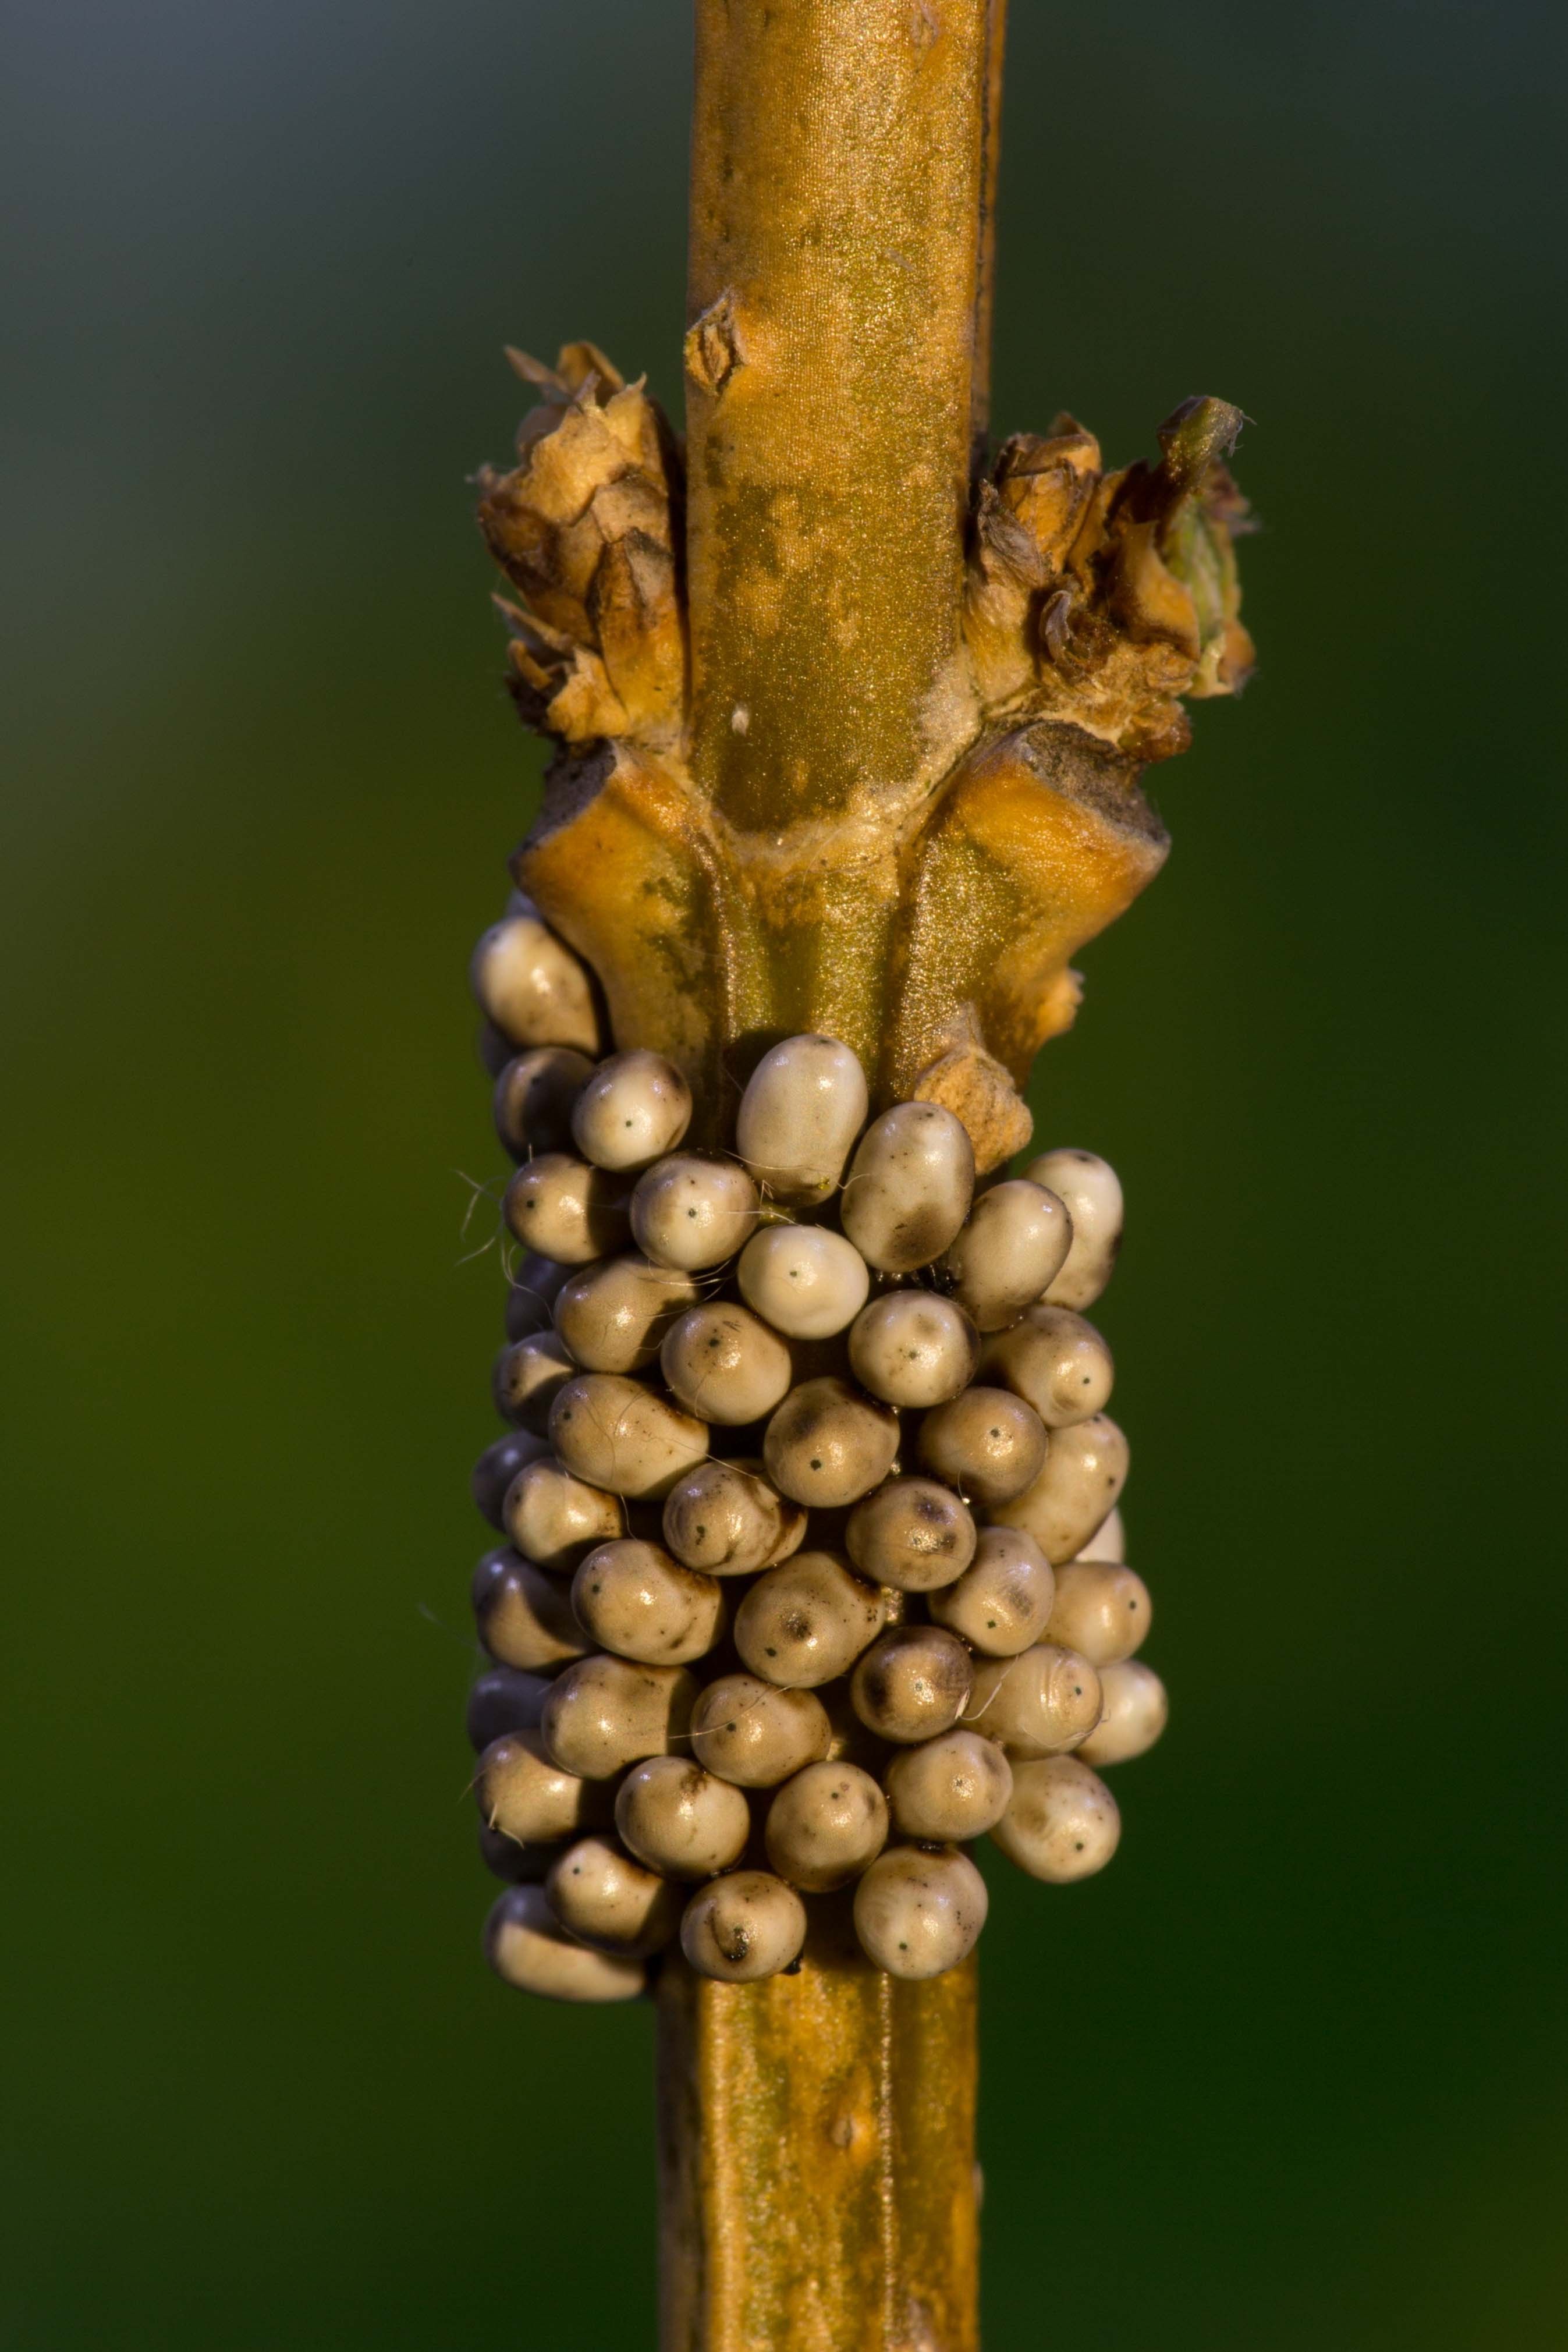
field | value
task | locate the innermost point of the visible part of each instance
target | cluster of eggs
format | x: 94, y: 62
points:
x: 812, y: 1570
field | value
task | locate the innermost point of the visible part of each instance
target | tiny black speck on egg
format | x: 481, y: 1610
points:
x: 1078, y: 1845
x: 816, y: 1461
x: 691, y: 1212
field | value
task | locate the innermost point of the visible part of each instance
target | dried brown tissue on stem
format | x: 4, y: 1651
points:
x: 851, y: 719
x: 896, y: 755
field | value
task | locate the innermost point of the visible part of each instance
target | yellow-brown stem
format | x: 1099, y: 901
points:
x: 816, y: 2151
x: 838, y: 172
x: 817, y: 2130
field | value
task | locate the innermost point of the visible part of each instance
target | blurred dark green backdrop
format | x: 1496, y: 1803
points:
x: 1292, y: 2073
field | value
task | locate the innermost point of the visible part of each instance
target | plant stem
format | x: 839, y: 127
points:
x: 817, y: 2152
x: 817, y: 2130
x: 835, y: 203
x: 840, y: 161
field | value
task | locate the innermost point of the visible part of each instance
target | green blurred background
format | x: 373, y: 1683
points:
x: 1292, y: 2072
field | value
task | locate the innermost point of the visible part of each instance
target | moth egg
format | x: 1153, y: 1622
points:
x: 1001, y: 1602
x: 1092, y: 1191
x: 949, y: 1789
x: 909, y: 1187
x: 566, y: 1209
x: 613, y: 1314
x: 533, y: 987
x: 515, y: 1865
x: 605, y: 1713
x: 912, y: 1533
x: 630, y: 1111
x: 826, y: 1826
x: 1083, y: 1475
x: 987, y: 1442
x: 748, y: 1732
x: 633, y: 1599
x: 913, y: 1683
x: 804, y: 1105
x: 807, y: 1621
x: 620, y: 1435
x: 1135, y: 1713
x: 527, y: 1946
x: 682, y: 1819
x: 918, y: 1911
x: 554, y: 1519
x: 498, y: 1466
x: 1042, y: 1703
x: 611, y: 1901
x: 726, y: 1518
x: 533, y: 1100
x: 526, y: 1377
x: 522, y: 1793
x: 1061, y: 1824
x: 1056, y: 1362
x: 691, y: 1214
x: 503, y: 1699
x: 1013, y: 1242
x: 1101, y: 1608
x: 828, y: 1444
x: 723, y: 1362
x: 524, y: 1616
x: 742, y: 1927
x: 533, y: 1287
x: 912, y: 1349
x: 807, y: 1282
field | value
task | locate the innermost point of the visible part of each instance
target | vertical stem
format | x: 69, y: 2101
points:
x: 839, y: 167
x: 817, y: 2157
x: 817, y: 2131
x: 837, y: 174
